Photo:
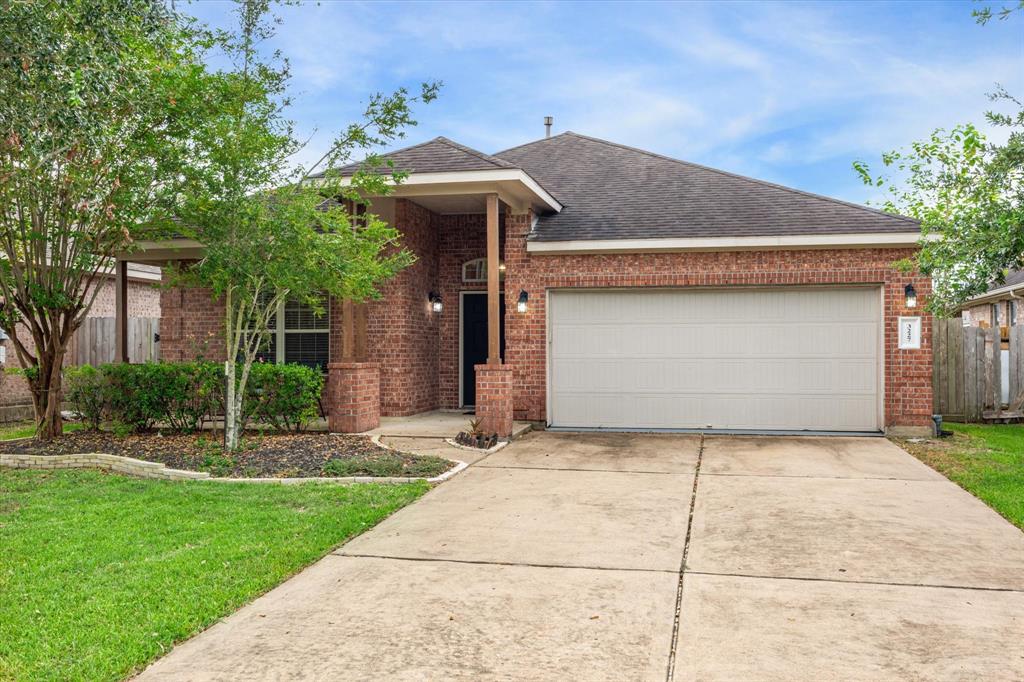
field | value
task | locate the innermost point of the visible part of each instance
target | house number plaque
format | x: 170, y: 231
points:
x: 910, y: 332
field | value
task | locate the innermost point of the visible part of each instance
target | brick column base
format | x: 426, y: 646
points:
x: 354, y: 396
x: 494, y: 399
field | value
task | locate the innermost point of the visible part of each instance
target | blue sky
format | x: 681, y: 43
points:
x: 787, y: 92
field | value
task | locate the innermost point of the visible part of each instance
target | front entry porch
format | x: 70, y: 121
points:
x: 434, y: 424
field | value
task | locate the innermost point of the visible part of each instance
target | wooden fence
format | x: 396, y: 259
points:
x: 967, y: 372
x: 95, y: 341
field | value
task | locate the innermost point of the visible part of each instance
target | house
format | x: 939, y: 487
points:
x: 580, y: 283
x: 1001, y: 306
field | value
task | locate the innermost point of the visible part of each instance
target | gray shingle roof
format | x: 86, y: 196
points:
x: 611, y: 191
x: 435, y: 156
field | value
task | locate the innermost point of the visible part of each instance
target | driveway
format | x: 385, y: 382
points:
x: 652, y: 557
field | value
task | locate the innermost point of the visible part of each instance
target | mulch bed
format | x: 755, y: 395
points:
x: 278, y: 455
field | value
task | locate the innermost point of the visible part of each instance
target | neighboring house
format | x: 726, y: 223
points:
x: 1001, y: 306
x: 143, y: 301
x: 633, y: 291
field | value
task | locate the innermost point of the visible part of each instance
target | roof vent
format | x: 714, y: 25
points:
x: 547, y: 125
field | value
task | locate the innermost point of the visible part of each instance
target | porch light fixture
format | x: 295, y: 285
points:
x: 523, y: 298
x: 911, y: 296
x: 435, y: 301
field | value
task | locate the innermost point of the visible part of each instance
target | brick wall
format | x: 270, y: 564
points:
x: 907, y: 376
x: 191, y: 325
x: 402, y: 330
x: 461, y: 238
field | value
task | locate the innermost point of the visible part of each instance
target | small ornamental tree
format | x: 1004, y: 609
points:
x: 99, y: 102
x: 272, y: 231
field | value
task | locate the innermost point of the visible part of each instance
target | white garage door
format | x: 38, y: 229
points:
x: 798, y: 358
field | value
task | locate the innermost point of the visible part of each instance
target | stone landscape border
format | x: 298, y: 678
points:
x: 156, y: 470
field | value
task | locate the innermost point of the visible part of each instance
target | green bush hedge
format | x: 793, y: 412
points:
x: 183, y: 395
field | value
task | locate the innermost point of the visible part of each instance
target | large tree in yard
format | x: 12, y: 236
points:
x: 271, y: 230
x: 968, y: 193
x: 99, y: 100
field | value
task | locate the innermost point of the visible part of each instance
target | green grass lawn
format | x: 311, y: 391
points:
x: 28, y: 429
x: 100, y: 574
x: 986, y: 459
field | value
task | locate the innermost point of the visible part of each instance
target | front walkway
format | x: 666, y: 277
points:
x: 434, y: 424
x: 560, y: 557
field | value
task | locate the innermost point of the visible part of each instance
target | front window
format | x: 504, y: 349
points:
x: 298, y: 335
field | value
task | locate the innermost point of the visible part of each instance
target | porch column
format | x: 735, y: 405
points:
x: 493, y: 293
x: 494, y: 380
x: 354, y: 397
x: 348, y: 331
x: 121, y: 311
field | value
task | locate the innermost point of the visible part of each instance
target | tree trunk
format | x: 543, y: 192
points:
x: 46, y: 394
x: 230, y: 410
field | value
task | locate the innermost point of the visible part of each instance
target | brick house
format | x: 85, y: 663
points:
x: 580, y: 283
x: 1001, y: 306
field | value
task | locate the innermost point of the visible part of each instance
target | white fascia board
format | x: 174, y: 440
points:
x: 824, y: 241
x: 1008, y: 290
x: 478, y: 176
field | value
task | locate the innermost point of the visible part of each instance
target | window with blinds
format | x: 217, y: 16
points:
x: 299, y: 335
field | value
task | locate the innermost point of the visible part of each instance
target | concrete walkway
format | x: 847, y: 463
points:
x: 652, y: 557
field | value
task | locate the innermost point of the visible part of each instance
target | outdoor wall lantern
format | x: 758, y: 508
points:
x: 435, y: 301
x: 521, y: 304
x: 911, y: 296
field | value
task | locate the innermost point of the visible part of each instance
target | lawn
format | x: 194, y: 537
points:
x: 100, y: 574
x: 28, y: 429
x: 986, y: 459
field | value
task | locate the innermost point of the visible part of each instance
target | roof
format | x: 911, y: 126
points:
x: 439, y: 155
x: 1014, y: 278
x: 611, y: 191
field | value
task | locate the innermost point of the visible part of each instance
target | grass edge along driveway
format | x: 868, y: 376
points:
x: 986, y: 460
x: 100, y: 573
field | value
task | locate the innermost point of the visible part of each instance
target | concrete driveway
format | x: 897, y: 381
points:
x: 652, y: 557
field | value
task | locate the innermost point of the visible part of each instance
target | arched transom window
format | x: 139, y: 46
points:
x: 476, y: 271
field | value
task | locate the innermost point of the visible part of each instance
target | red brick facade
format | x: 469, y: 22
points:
x: 418, y: 350
x: 354, y: 398
x: 494, y: 394
x: 907, y: 375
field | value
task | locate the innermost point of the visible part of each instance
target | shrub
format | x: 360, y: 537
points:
x: 85, y: 389
x: 285, y: 396
x: 193, y: 393
x: 135, y: 392
x: 180, y: 394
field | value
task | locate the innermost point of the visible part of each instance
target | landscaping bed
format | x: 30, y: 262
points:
x: 274, y: 455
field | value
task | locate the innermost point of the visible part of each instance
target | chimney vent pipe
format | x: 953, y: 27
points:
x: 547, y: 125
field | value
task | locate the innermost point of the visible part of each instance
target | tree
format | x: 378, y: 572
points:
x: 271, y: 231
x: 968, y: 194
x: 98, y: 101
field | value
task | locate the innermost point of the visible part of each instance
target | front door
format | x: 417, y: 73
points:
x: 474, y: 340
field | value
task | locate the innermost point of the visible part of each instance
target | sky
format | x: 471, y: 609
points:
x: 791, y: 93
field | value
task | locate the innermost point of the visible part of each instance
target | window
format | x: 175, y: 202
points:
x: 476, y: 270
x: 298, y: 335
x: 1014, y: 311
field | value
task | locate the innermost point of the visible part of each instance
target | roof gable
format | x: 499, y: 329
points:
x: 611, y: 191
x: 439, y: 155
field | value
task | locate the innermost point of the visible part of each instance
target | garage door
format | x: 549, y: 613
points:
x: 798, y: 358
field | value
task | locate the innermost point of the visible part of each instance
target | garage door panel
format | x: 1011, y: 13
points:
x: 745, y: 358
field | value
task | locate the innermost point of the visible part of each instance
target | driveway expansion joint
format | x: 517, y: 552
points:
x: 884, y: 583
x: 671, y: 669
x: 481, y: 562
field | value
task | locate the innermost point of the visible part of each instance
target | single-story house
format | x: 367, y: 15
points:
x: 583, y: 284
